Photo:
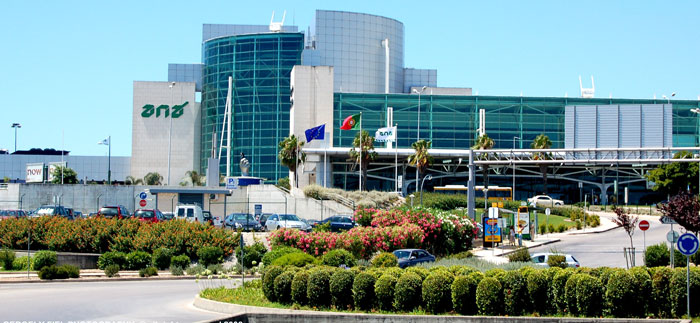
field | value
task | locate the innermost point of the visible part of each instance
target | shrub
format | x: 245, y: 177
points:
x: 138, y: 260
x: 394, y: 271
x: 656, y: 255
x: 641, y: 275
x: 551, y: 228
x: 408, y: 291
x: 570, y: 294
x: 543, y: 228
x: 660, y: 282
x: 20, y: 263
x: 461, y: 255
x: 210, y: 255
x: 363, y: 291
x: 514, y: 293
x: 318, y: 288
x: 337, y: 257
x: 268, y: 282
x: 252, y: 253
x: 294, y: 259
x: 197, y: 269
x: 437, y: 295
x: 620, y: 294
x: 283, y: 286
x: 464, y: 295
x: 59, y: 272
x: 561, y: 228
x: 589, y: 295
x: 578, y: 225
x: 385, y: 259
x: 299, y: 287
x: 521, y: 255
x: 162, y: 257
x: 215, y: 269
x: 176, y: 271
x: 538, y: 290
x: 420, y: 271
x: 7, y: 258
x: 341, y: 289
x: 488, y: 296
x: 44, y: 259
x: 181, y: 261
x: 384, y: 289
x: 148, y: 272
x: 677, y: 290
x: 111, y: 258
x: 461, y: 270
x: 284, y: 183
x: 557, y: 261
x: 277, y: 252
x: 558, y: 290
x: 112, y: 271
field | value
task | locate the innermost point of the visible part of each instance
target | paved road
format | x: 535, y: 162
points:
x: 605, y: 249
x: 134, y: 301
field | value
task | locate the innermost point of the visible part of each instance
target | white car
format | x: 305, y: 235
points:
x: 544, y: 200
x: 289, y: 221
x: 540, y: 259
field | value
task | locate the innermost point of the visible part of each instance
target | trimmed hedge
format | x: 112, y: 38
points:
x: 384, y: 289
x: 520, y: 255
x: 137, y: 260
x: 437, y: 295
x: 59, y: 272
x: 363, y: 291
x: 181, y: 261
x: 252, y: 255
x: 385, y: 259
x: 661, y: 282
x: 620, y: 295
x: 464, y: 295
x: 276, y: 252
x: 341, y: 289
x: 111, y: 258
x: 299, y: 286
x: 538, y: 291
x: 515, y: 300
x: 294, y: 259
x: 677, y: 291
x: 148, y: 272
x: 337, y: 257
x: 489, y: 297
x: 268, y: 282
x: 408, y: 291
x: 589, y: 295
x: 210, y: 255
x: 162, y: 258
x: 283, y: 287
x: 558, y: 290
x: 7, y: 258
x: 44, y: 258
x: 318, y: 287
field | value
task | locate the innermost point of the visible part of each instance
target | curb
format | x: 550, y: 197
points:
x: 594, y: 232
x: 105, y: 279
x: 539, y: 245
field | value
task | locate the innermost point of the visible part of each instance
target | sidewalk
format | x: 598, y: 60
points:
x: 85, y: 275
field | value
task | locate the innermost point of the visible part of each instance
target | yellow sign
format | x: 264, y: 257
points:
x: 494, y: 204
x: 493, y: 238
x: 500, y: 204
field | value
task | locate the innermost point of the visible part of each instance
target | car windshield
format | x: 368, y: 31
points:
x: 109, y: 211
x: 402, y: 254
x: 288, y: 217
x: 243, y: 217
x: 45, y: 210
x: 146, y: 214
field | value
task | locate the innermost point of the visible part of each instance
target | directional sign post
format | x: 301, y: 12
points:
x: 644, y: 226
x: 688, y: 245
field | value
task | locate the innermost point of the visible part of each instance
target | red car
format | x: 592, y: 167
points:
x: 152, y: 216
x: 114, y: 211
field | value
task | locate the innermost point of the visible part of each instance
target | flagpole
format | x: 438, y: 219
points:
x: 325, y: 162
x: 361, y: 144
x: 396, y: 156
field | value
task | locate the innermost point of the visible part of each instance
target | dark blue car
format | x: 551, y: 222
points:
x: 412, y: 257
x: 337, y: 223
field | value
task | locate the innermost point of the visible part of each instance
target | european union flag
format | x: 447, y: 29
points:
x: 315, y: 133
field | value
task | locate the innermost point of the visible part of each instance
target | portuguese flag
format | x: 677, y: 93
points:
x: 351, y: 122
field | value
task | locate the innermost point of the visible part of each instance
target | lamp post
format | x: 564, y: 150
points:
x: 428, y: 177
x: 170, y: 132
x: 16, y: 125
x: 108, y: 142
x: 697, y: 112
x: 418, y: 136
x: 668, y: 100
x: 513, y: 190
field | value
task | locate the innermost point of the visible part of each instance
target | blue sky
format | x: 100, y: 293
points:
x: 67, y: 67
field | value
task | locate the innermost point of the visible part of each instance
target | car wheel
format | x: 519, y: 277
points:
x: 557, y: 204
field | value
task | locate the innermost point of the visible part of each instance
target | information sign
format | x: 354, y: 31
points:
x: 231, y: 183
x: 258, y: 210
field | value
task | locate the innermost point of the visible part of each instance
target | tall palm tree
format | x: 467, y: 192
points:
x: 194, y: 177
x: 290, y: 155
x: 421, y: 158
x: 131, y: 180
x: 542, y: 142
x: 368, y: 153
x: 153, y: 178
x: 484, y: 143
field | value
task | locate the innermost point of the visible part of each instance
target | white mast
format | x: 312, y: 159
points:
x: 227, y: 124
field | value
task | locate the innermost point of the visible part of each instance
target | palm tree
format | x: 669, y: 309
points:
x: 542, y: 142
x: 421, y: 158
x: 484, y: 143
x: 153, y: 178
x: 368, y: 153
x: 131, y: 180
x: 193, y: 177
x: 290, y: 155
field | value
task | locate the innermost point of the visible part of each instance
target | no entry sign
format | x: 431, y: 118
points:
x: 142, y: 203
x: 644, y: 225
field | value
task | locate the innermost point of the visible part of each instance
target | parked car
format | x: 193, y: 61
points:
x: 53, y: 210
x: 263, y: 218
x: 289, y: 221
x: 206, y: 215
x: 191, y: 213
x: 412, y: 257
x: 7, y: 214
x: 114, y: 211
x: 244, y: 221
x: 337, y: 222
x: 151, y: 216
x: 544, y: 201
x: 540, y: 259
x: 167, y: 216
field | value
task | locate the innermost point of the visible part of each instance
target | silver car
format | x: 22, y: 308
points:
x: 540, y: 259
x: 289, y: 221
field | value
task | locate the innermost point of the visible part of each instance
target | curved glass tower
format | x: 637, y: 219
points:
x: 260, y: 65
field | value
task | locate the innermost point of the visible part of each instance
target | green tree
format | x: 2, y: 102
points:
x: 675, y: 177
x: 193, y: 177
x: 368, y: 153
x: 291, y: 155
x: 68, y: 174
x: 484, y: 143
x: 542, y: 142
x: 131, y: 180
x: 153, y: 178
x: 421, y: 158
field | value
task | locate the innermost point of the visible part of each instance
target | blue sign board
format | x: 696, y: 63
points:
x: 492, y: 232
x: 688, y: 244
x: 231, y: 183
x: 258, y: 209
x: 143, y: 195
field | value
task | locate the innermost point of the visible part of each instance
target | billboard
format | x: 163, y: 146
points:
x: 35, y: 173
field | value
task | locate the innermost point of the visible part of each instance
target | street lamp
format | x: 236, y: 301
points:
x: 418, y: 136
x: 428, y: 177
x: 170, y: 133
x: 513, y: 190
x: 668, y: 100
x: 108, y: 142
x: 16, y: 125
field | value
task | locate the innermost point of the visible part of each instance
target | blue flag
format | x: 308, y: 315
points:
x: 315, y: 133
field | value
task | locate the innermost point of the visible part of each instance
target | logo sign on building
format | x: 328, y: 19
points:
x: 150, y: 110
x: 387, y: 134
x: 231, y: 183
x: 35, y: 173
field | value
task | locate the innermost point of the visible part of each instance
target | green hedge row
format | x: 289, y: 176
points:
x: 639, y: 292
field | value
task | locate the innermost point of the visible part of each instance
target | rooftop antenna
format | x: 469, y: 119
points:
x: 587, y: 92
x: 276, y: 27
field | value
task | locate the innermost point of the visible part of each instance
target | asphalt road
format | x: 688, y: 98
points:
x: 132, y: 301
x: 606, y: 248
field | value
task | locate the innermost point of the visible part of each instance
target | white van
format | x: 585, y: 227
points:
x: 191, y: 213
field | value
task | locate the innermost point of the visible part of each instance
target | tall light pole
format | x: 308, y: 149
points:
x: 513, y: 197
x: 108, y: 142
x: 428, y: 177
x: 668, y: 100
x: 418, y: 136
x: 16, y: 125
x: 170, y: 133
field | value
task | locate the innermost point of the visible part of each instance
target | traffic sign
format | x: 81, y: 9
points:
x: 667, y: 220
x: 644, y: 225
x: 672, y: 236
x: 143, y: 195
x: 258, y: 209
x: 547, y: 211
x: 142, y: 203
x: 688, y: 244
x: 231, y: 183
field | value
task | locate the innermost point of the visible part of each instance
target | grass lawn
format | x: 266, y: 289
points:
x: 555, y: 220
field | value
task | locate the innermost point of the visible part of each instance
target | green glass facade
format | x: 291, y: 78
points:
x: 260, y: 65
